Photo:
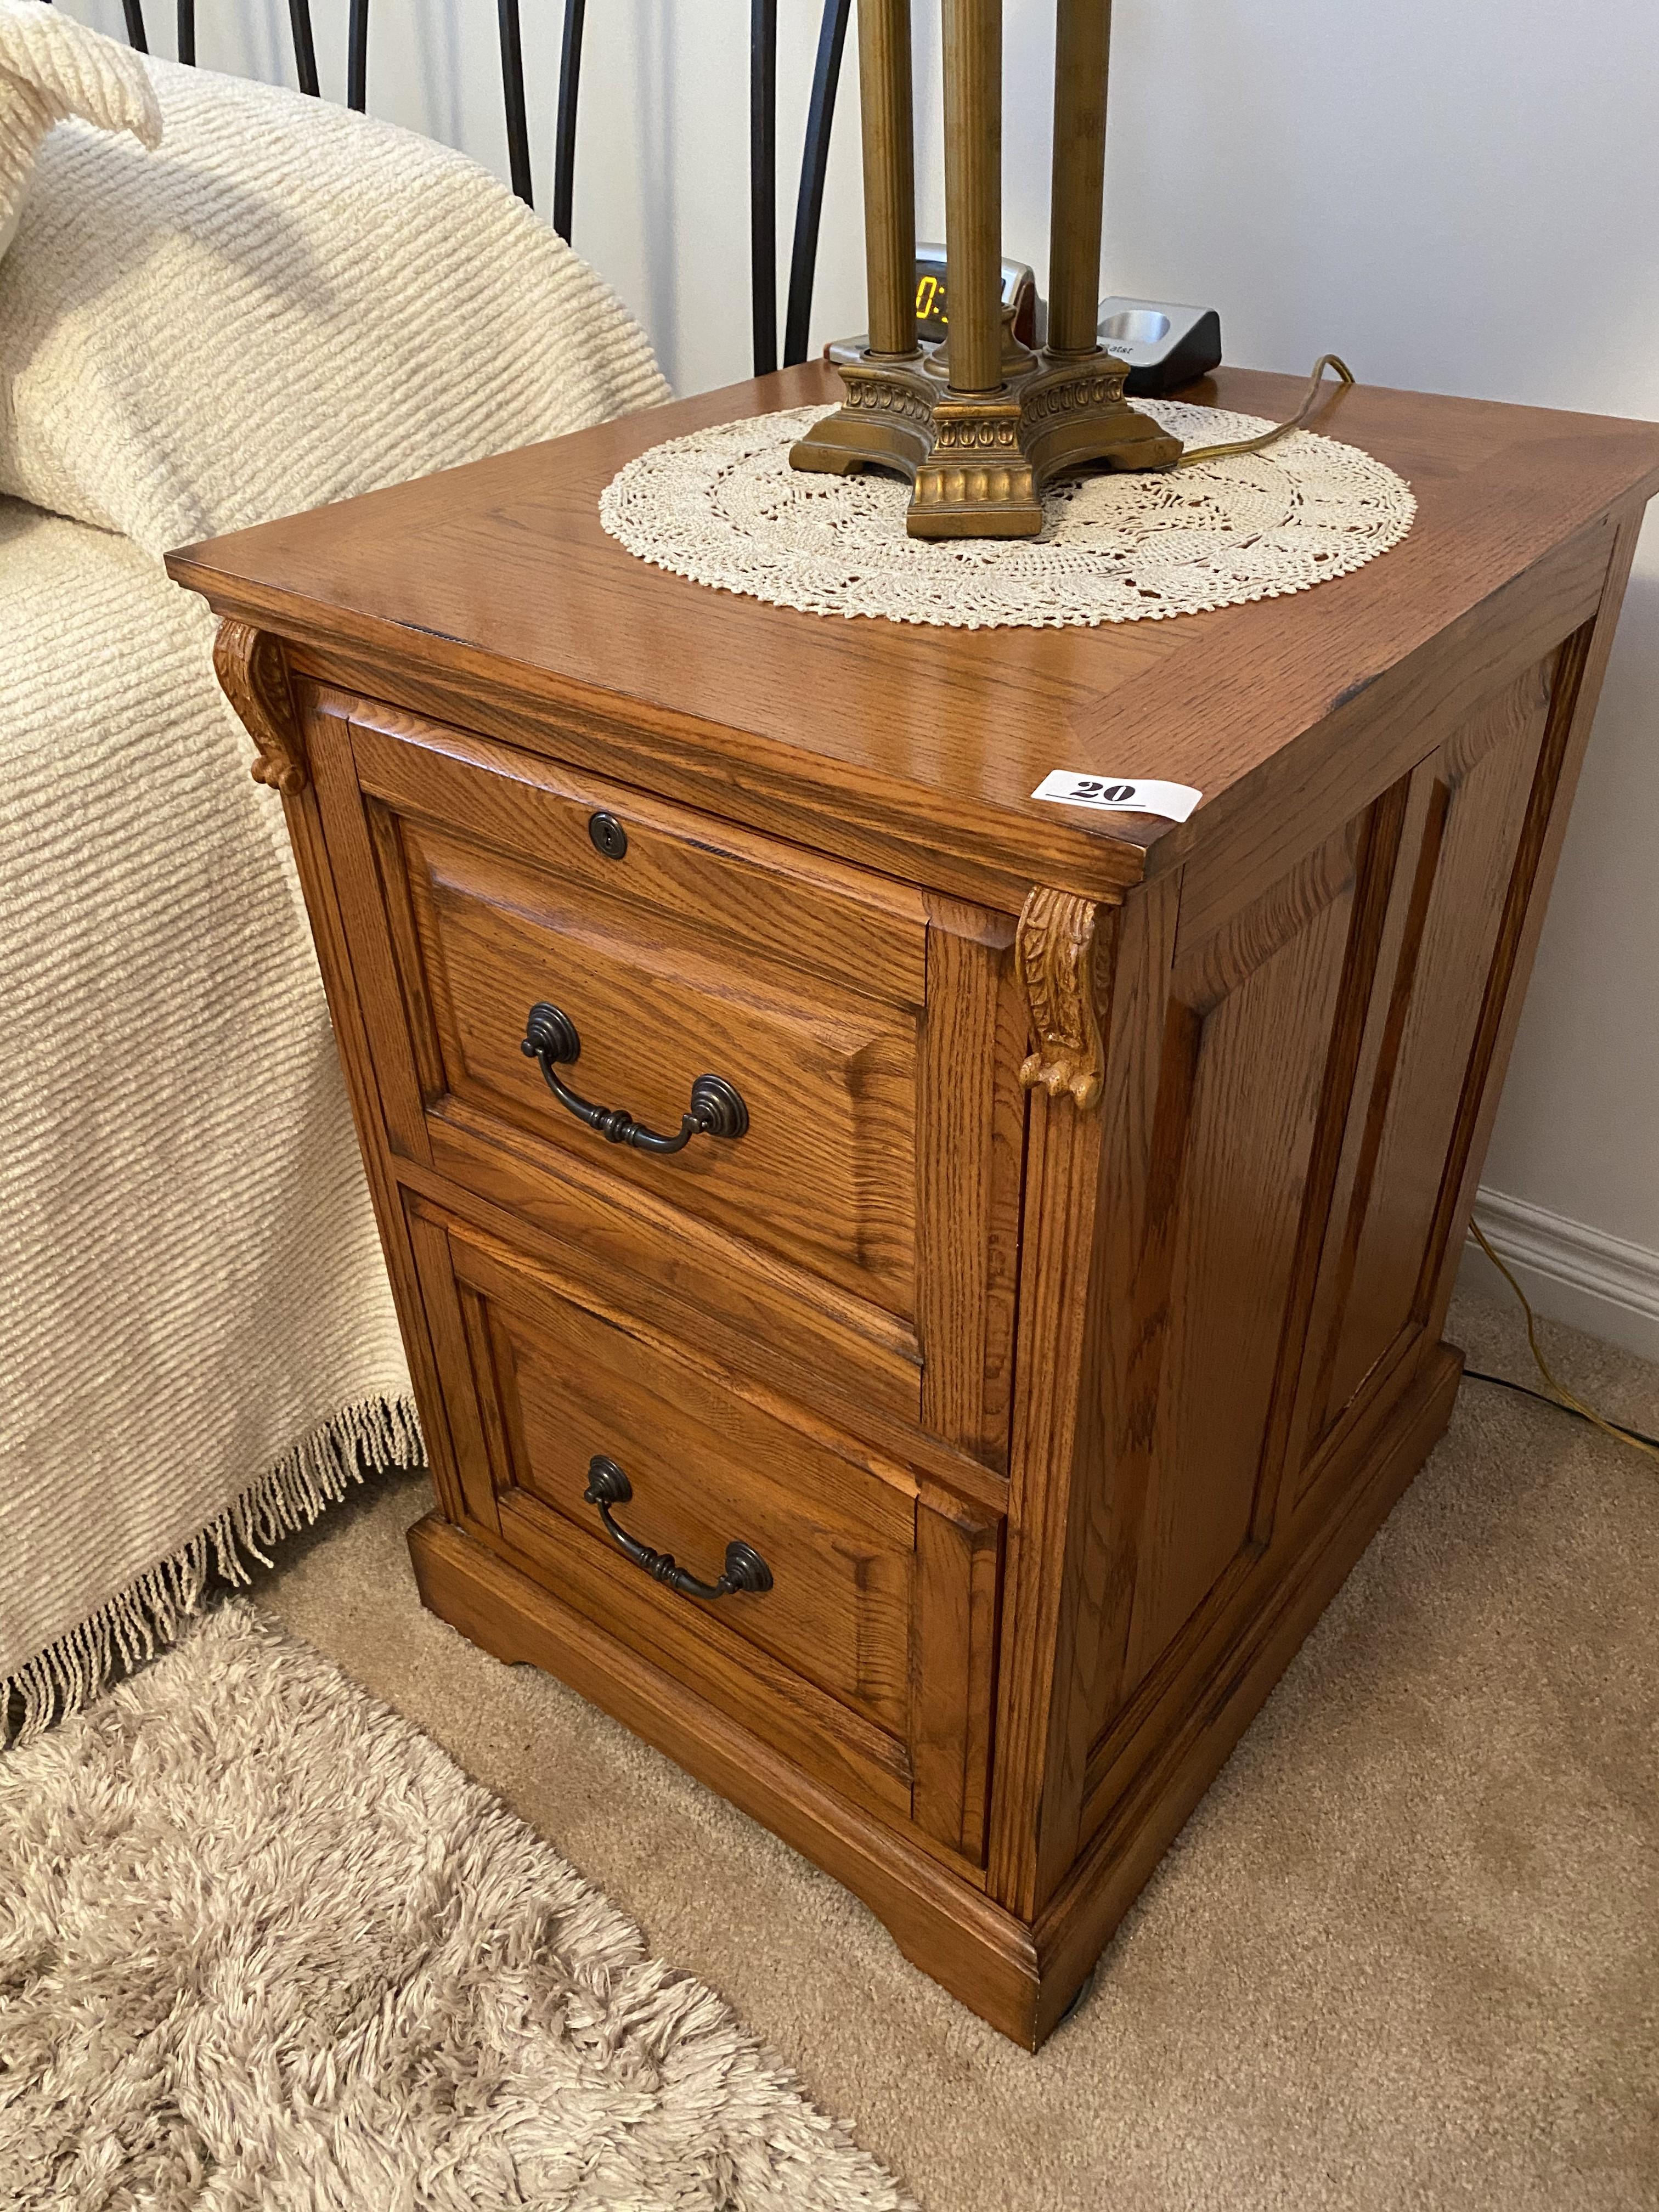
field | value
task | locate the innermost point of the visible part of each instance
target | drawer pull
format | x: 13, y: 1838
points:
x: 746, y: 1570
x: 716, y: 1110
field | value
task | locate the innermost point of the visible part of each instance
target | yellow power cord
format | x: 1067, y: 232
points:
x: 1194, y: 454
x: 1563, y: 1397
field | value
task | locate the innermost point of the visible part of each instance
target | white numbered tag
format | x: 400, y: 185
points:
x: 1118, y: 794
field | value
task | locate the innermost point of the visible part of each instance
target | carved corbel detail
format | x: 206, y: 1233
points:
x: 253, y: 677
x: 1056, y: 949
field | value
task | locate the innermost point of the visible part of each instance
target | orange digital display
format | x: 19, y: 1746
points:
x: 932, y: 298
x: 931, y: 312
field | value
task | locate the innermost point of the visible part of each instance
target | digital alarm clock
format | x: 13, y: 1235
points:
x: 1019, y: 292
x: 1163, y: 344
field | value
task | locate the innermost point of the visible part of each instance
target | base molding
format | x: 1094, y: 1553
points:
x: 1571, y: 1272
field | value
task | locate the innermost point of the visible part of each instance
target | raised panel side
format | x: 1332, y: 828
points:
x: 454, y: 1355
x: 953, y: 1659
x: 1229, y: 1059
x: 362, y: 908
x: 1245, y: 1083
x: 1579, y: 667
x: 970, y: 1166
x: 1466, y: 807
x: 1374, y: 839
x: 1213, y: 1250
x: 1415, y: 811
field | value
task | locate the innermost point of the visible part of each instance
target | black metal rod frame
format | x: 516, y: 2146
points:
x: 298, y: 17
x: 564, y: 141
x: 764, y: 182
x: 357, y: 55
x: 762, y: 136
x: 815, y: 163
x: 518, y: 134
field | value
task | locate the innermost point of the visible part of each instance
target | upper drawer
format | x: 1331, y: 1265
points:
x: 863, y: 1218
x: 674, y: 962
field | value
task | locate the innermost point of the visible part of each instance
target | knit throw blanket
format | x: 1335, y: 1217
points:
x: 282, y: 304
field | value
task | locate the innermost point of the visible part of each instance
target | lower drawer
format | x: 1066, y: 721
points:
x: 818, y: 1593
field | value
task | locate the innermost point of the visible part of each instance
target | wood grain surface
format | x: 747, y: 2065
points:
x: 1058, y: 1414
x: 917, y: 750
x: 884, y: 1593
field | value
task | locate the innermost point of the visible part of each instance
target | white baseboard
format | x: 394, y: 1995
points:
x: 1571, y: 1272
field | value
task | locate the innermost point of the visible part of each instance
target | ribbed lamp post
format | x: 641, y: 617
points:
x: 979, y: 424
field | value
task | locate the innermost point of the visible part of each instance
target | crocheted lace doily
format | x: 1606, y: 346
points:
x: 723, y: 507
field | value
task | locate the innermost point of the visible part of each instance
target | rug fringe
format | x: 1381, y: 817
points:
x: 367, y: 1438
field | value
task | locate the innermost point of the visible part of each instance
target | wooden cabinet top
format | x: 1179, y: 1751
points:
x: 490, y: 596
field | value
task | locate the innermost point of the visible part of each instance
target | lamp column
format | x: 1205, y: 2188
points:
x: 980, y: 425
x: 973, y: 191
x: 890, y: 177
x: 1083, y: 42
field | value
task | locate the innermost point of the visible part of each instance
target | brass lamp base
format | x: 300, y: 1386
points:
x: 979, y: 463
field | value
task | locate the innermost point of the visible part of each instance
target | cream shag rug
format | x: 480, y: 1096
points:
x: 263, y: 1944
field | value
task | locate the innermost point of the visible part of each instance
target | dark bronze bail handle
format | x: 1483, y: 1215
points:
x: 746, y: 1570
x: 716, y: 1109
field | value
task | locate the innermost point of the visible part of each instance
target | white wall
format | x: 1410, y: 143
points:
x: 1457, y: 195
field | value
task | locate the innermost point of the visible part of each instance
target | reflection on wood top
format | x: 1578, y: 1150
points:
x: 493, y: 589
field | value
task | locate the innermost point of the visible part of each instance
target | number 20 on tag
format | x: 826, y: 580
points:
x: 1107, y: 794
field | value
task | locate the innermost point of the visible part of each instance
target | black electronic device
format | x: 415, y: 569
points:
x: 1164, y: 344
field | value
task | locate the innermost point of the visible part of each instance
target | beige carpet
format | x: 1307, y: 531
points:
x: 1405, y: 1954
